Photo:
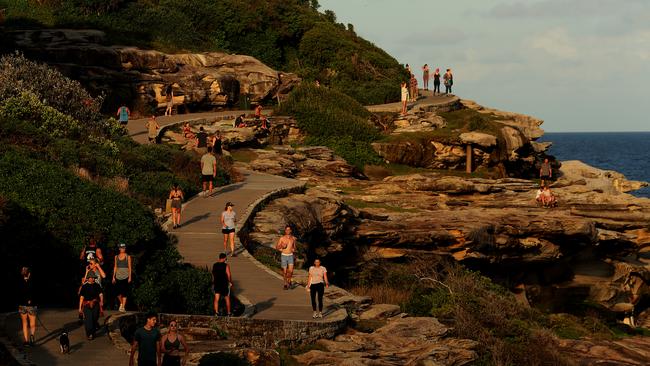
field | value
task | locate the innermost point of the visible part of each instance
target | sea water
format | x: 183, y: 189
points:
x: 624, y: 152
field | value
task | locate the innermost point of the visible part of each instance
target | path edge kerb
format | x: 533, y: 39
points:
x: 20, y: 357
x: 257, y: 206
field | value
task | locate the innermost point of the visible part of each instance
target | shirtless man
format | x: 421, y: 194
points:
x: 287, y: 246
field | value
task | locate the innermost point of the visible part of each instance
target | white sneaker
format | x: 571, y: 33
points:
x: 315, y: 315
x: 320, y: 315
x: 122, y: 310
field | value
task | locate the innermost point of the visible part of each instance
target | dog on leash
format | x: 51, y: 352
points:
x: 64, y: 343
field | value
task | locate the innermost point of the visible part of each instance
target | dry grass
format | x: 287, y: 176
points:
x: 384, y: 294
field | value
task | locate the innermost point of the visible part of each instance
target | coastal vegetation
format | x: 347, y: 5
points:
x: 290, y: 35
x: 508, y: 333
x: 331, y: 118
x: 69, y: 173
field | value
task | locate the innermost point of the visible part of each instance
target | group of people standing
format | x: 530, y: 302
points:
x: 410, y: 92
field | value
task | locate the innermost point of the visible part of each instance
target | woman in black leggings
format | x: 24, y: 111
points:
x: 316, y: 286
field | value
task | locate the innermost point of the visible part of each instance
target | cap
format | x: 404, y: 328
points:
x: 121, y: 245
x: 230, y: 204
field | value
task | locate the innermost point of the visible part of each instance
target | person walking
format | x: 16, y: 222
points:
x: 91, y: 251
x: 228, y: 217
x: 152, y: 129
x: 27, y: 306
x: 176, y: 195
x: 146, y: 341
x: 221, y: 283
x: 414, y: 88
x: 316, y: 284
x: 208, y: 171
x: 122, y: 274
x: 123, y: 113
x: 216, y: 144
x: 95, y: 269
x: 90, y: 303
x: 436, y: 82
x: 169, y: 98
x: 201, y: 139
x: 545, y: 172
x: 449, y: 81
x: 425, y: 76
x: 170, y: 345
x: 287, y: 247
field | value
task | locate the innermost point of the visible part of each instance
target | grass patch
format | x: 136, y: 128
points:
x: 245, y: 156
x: 363, y: 204
x: 459, y: 121
x: 384, y: 294
x: 351, y: 189
x: 335, y: 120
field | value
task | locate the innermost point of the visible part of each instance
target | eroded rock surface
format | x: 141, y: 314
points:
x: 200, y: 81
x: 402, y: 342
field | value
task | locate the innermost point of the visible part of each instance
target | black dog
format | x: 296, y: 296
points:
x: 64, y: 342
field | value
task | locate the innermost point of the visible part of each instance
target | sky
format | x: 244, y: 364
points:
x: 580, y: 65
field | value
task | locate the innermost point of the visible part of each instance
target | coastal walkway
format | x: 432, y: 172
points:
x: 426, y: 100
x: 199, y: 241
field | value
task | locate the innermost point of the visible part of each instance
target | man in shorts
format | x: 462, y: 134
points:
x: 123, y: 113
x: 146, y: 341
x: 208, y: 171
x: 221, y: 283
x: 287, y: 247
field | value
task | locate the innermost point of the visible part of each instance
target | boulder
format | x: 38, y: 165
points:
x: 406, y: 341
x: 478, y: 138
x: 380, y: 311
x: 201, y: 80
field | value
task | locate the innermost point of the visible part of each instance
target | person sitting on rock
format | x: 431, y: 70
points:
x: 239, y: 122
x: 187, y: 131
x: 548, y: 199
x: 258, y: 112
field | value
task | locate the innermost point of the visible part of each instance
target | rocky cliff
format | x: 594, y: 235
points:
x: 200, y: 81
x: 594, y: 246
x: 501, y: 143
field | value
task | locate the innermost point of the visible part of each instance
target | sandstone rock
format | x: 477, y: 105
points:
x: 607, y: 181
x: 204, y: 80
x: 482, y: 139
x: 406, y: 341
x: 380, y: 311
x: 629, y: 351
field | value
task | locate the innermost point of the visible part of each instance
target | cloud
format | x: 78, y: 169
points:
x: 437, y: 36
x: 565, y: 8
x: 555, y: 42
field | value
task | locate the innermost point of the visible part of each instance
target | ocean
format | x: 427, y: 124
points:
x: 624, y: 152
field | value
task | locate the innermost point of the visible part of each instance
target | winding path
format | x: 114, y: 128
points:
x: 200, y: 241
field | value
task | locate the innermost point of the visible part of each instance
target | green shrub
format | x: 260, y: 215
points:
x: 285, y: 34
x: 71, y: 208
x: 26, y: 241
x: 333, y: 119
x: 27, y: 107
x: 19, y: 75
x: 167, y: 285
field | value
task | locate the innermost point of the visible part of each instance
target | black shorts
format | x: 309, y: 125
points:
x: 206, y: 178
x: 222, y: 290
x: 122, y: 287
x: 227, y: 231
